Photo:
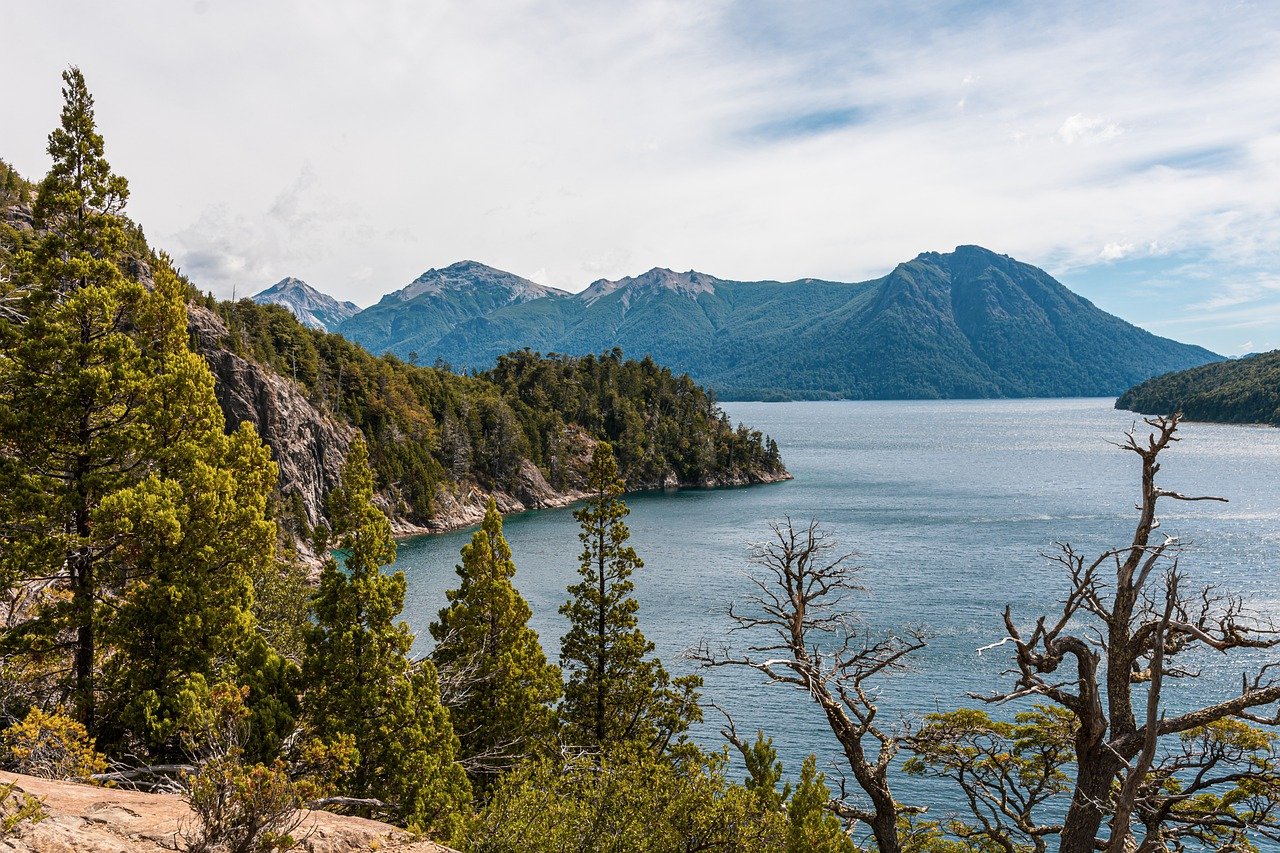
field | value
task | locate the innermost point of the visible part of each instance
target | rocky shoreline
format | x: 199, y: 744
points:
x: 458, y: 510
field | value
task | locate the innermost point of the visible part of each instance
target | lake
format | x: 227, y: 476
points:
x: 948, y: 504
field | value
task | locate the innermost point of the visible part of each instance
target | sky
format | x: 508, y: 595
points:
x: 1130, y: 149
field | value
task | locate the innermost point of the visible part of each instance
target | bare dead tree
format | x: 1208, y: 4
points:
x: 1117, y: 630
x: 804, y: 635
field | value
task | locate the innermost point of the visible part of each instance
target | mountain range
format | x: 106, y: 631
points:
x: 965, y: 324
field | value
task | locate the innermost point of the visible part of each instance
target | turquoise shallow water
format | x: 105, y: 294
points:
x: 948, y: 504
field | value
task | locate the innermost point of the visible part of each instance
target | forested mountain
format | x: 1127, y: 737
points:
x: 1241, y: 391
x: 315, y: 309
x: 969, y: 323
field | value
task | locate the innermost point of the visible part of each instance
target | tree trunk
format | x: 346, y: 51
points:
x: 1096, y: 772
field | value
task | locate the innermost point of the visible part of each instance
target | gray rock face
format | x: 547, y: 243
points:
x: 307, y: 445
x: 315, y: 309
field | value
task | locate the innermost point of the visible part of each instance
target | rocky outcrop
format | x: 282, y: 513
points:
x: 91, y: 819
x: 307, y: 445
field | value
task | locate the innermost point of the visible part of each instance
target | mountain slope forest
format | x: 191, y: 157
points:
x: 966, y: 324
x: 1240, y: 391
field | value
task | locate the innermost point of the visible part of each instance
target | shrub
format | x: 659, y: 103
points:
x: 52, y: 746
x: 238, y: 807
x: 16, y: 808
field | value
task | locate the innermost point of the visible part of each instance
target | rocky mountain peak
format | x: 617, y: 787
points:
x: 472, y: 275
x: 314, y: 308
x: 691, y: 284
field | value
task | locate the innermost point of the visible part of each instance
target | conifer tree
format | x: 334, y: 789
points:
x: 126, y: 503
x: 201, y: 536
x: 70, y: 418
x: 615, y: 693
x: 506, y: 686
x: 359, y: 680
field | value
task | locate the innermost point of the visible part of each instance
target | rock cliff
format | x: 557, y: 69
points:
x: 306, y: 444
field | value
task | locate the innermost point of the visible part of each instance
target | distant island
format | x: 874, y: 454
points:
x: 1240, y: 391
x: 966, y: 324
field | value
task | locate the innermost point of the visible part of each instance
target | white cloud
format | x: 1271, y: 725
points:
x: 1087, y: 129
x: 1115, y: 251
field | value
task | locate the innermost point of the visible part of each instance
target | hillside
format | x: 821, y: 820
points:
x: 965, y: 324
x: 441, y: 442
x: 1242, y: 391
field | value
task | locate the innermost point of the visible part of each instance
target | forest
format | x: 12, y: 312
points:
x: 1240, y: 391
x: 154, y: 633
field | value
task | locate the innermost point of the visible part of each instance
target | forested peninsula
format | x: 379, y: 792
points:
x: 1240, y: 391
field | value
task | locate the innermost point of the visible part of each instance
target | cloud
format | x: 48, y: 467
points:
x: 356, y: 146
x: 1087, y: 129
x: 1115, y: 251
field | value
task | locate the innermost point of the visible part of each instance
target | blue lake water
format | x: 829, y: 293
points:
x: 949, y: 506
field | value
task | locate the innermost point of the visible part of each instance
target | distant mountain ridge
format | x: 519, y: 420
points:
x: 415, y: 317
x: 965, y: 324
x: 315, y: 309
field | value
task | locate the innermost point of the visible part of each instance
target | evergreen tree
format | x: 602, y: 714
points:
x: 75, y: 379
x: 359, y: 679
x: 138, y: 521
x: 198, y: 536
x: 614, y: 693
x: 506, y: 686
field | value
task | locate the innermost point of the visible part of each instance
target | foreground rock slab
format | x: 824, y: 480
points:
x: 91, y: 819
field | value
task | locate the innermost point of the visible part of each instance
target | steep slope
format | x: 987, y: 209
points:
x: 1242, y: 391
x: 415, y: 317
x: 315, y: 309
x: 970, y: 323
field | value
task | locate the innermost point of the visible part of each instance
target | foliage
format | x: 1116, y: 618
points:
x: 484, y: 644
x: 615, y: 693
x: 657, y: 422
x: 359, y: 681
x: 427, y: 427
x: 1007, y: 770
x: 1241, y: 391
x: 281, y: 596
x: 629, y: 801
x: 238, y: 807
x: 134, y: 524
x: 17, y: 808
x: 52, y: 746
x: 13, y: 188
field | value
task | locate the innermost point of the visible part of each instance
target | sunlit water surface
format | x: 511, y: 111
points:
x: 949, y: 506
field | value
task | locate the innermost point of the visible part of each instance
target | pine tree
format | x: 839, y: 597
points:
x: 198, y: 534
x: 359, y: 680
x: 125, y: 504
x: 614, y: 693
x: 506, y: 686
x: 71, y: 421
